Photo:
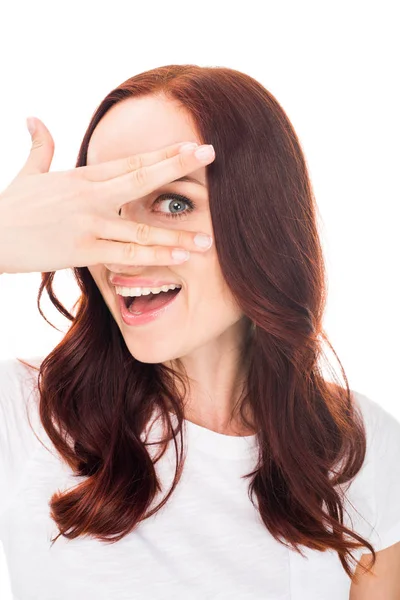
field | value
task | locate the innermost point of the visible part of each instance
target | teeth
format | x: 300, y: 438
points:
x: 144, y: 291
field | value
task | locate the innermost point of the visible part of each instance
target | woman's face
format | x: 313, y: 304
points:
x: 203, y: 320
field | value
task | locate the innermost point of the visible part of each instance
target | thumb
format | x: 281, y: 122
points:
x: 42, y: 149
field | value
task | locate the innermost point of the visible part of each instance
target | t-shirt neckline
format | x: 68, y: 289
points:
x: 217, y: 444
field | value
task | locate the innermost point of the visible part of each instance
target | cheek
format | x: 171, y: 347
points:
x: 95, y: 272
x: 216, y: 290
x: 210, y: 287
x: 99, y: 274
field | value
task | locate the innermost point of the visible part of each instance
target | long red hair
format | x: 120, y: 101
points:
x: 96, y: 393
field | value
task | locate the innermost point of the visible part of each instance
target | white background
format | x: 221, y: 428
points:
x: 334, y: 67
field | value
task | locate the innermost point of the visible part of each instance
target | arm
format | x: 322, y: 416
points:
x: 383, y: 583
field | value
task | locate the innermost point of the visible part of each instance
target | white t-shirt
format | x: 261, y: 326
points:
x: 207, y: 542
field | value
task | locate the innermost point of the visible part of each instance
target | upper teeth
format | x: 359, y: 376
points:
x: 143, y: 291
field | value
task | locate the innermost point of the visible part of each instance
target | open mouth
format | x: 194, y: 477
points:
x: 150, y: 301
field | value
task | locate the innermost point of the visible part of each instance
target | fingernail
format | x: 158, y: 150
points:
x: 181, y: 255
x: 205, y: 152
x: 31, y: 125
x: 187, y: 146
x: 203, y: 241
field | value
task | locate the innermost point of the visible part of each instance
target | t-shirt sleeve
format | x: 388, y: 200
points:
x: 386, y: 477
x: 17, y: 440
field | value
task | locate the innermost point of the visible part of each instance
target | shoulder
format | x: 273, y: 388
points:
x: 16, y: 380
x: 373, y: 411
x: 15, y: 367
x: 17, y: 417
x: 382, y: 429
x: 383, y: 580
x: 17, y: 383
x: 379, y: 484
x: 18, y: 387
x: 378, y: 496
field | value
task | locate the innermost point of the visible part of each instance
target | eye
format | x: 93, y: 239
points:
x: 175, y: 201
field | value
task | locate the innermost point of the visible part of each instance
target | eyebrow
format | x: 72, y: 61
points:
x: 189, y: 179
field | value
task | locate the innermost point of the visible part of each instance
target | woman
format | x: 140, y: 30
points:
x: 281, y: 476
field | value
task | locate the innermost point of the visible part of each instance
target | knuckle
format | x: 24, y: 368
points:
x: 130, y: 251
x: 134, y: 163
x: 181, y: 238
x: 79, y: 174
x: 89, y: 223
x: 96, y: 223
x: 38, y: 143
x: 159, y: 254
x: 81, y: 197
x: 75, y: 173
x: 140, y: 177
x: 142, y: 232
x: 73, y: 176
x: 182, y: 162
x: 87, y: 193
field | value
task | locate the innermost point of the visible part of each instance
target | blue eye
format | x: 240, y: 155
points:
x: 175, y: 199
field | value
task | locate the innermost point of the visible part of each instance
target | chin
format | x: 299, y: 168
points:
x: 151, y: 355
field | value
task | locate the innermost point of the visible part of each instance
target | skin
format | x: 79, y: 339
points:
x: 205, y: 327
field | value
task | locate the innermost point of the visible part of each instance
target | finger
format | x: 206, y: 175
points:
x: 116, y: 192
x: 116, y: 168
x: 41, y: 153
x: 120, y: 253
x: 122, y: 230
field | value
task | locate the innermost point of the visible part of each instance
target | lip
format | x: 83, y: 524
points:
x: 141, y: 282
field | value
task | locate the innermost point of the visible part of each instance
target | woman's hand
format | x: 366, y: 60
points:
x: 52, y: 221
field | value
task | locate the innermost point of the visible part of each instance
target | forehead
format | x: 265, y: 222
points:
x: 138, y: 125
